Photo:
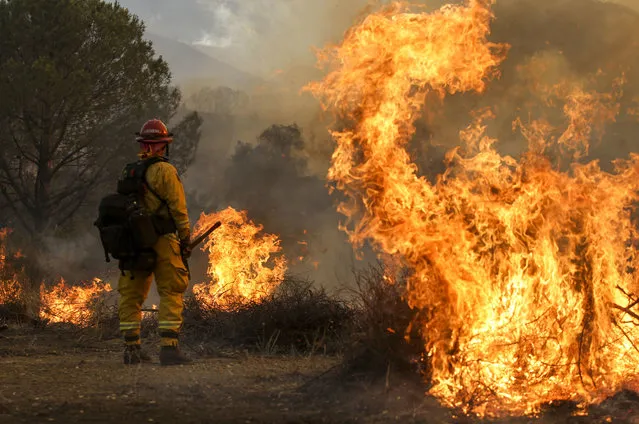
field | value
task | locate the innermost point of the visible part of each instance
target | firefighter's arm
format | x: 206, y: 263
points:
x: 173, y: 194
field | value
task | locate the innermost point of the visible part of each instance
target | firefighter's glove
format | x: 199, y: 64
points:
x: 185, y: 248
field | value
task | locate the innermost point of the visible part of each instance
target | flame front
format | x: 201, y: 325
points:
x: 523, y: 270
x: 244, y: 263
x: 71, y: 304
x: 61, y: 303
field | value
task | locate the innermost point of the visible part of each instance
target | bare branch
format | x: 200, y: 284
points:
x: 626, y: 310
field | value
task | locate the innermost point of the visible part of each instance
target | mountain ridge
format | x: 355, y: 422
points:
x: 188, y: 63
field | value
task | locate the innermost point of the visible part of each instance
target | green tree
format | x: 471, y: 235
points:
x: 220, y: 100
x: 77, y: 79
x: 187, y: 135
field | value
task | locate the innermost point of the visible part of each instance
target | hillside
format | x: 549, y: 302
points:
x: 187, y: 63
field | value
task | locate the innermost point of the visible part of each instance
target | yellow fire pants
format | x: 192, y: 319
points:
x: 171, y: 278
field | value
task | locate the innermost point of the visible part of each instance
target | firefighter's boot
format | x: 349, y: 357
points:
x: 133, y: 354
x: 171, y: 355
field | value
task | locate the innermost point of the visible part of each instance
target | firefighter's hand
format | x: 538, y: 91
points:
x: 185, y: 248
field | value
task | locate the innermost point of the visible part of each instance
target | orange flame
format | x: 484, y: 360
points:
x: 10, y: 288
x: 71, y: 304
x: 524, y: 272
x: 10, y: 291
x: 244, y: 264
x: 61, y: 303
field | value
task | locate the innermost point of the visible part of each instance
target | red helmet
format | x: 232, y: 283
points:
x: 154, y: 131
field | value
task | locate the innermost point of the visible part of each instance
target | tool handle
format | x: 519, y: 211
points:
x: 204, y: 235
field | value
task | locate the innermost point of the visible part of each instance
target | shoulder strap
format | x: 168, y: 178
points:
x: 147, y: 164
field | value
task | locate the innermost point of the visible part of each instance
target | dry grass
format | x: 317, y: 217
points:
x: 297, y: 319
x: 369, y: 328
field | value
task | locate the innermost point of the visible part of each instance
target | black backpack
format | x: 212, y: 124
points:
x: 127, y: 231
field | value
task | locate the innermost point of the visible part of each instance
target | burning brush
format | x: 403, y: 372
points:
x: 523, y: 272
x: 10, y: 289
x: 72, y: 304
x: 11, y: 293
x: 244, y: 264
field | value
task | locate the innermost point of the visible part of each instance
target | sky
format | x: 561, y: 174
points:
x: 207, y: 22
x: 259, y: 36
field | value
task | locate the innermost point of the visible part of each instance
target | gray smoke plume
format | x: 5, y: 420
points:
x: 272, y: 181
x: 257, y: 36
x: 282, y: 184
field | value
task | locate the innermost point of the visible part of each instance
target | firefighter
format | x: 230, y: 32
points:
x: 163, y: 196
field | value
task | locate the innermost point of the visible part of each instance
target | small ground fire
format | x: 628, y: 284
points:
x: 244, y: 263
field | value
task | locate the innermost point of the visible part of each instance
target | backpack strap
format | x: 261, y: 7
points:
x: 147, y: 164
x: 98, y: 224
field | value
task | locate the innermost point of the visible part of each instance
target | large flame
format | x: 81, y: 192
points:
x: 72, y: 304
x: 244, y: 263
x: 523, y: 270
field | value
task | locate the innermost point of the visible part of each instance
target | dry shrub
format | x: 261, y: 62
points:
x: 296, y: 318
x: 369, y: 329
x: 149, y: 324
x: 78, y: 304
x: 107, y: 321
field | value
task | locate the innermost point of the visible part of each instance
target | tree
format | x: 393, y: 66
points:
x: 187, y: 136
x: 77, y: 79
x: 271, y: 179
x: 220, y: 100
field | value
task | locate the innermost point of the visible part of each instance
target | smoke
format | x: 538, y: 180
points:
x: 576, y: 38
x: 262, y: 36
x: 258, y: 36
x: 585, y: 42
x: 271, y: 180
x: 282, y: 185
x: 579, y: 43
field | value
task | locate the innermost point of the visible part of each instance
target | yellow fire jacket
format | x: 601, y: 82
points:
x: 162, y: 177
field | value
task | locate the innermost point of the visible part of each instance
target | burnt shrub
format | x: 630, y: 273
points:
x: 383, y: 338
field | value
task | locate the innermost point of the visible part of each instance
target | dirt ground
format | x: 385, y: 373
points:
x: 60, y: 376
